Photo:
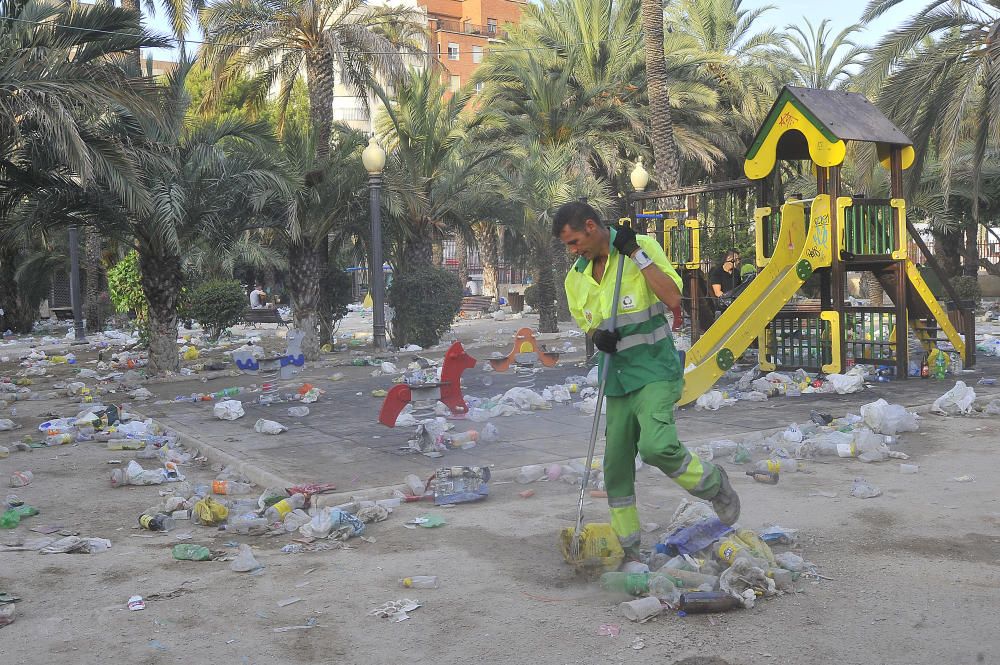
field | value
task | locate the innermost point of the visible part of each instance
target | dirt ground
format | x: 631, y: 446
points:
x: 914, y: 574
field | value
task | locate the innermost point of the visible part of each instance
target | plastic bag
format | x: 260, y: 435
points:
x: 264, y: 426
x: 210, y: 512
x: 244, y: 561
x: 389, y: 368
x: 7, y: 425
x: 957, y: 401
x: 845, y: 384
x: 886, y: 418
x: 862, y: 489
x: 713, y: 400
x: 489, y: 433
x: 525, y: 399
x: 229, y: 409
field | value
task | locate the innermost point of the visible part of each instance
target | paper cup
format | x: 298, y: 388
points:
x: 640, y: 609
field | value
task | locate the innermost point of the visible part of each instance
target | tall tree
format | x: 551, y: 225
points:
x: 820, y: 59
x: 940, y: 76
x: 666, y: 155
x: 277, y: 41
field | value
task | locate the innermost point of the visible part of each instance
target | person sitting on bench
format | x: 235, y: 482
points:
x: 258, y: 298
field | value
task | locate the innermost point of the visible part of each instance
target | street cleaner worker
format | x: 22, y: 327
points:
x: 646, y: 376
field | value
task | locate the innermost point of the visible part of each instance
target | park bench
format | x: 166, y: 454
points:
x: 252, y: 317
x: 476, y: 304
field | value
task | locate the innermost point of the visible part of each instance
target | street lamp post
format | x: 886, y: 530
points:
x: 373, y: 158
x: 74, y: 285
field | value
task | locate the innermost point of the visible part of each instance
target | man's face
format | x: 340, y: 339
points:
x: 588, y: 242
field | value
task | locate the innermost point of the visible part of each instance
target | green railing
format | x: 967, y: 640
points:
x: 772, y: 229
x: 681, y: 245
x: 869, y: 228
x: 868, y: 333
x: 799, y: 340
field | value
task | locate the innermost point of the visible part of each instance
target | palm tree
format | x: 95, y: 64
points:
x: 745, y: 64
x: 940, y: 73
x: 62, y: 77
x: 435, y: 174
x: 328, y: 195
x: 276, y: 41
x: 666, y: 154
x: 817, y: 61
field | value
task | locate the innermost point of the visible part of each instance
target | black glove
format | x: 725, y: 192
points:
x: 606, y: 340
x: 625, y: 241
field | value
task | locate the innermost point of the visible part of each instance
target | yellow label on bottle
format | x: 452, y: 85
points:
x: 283, y: 507
x: 728, y: 549
x: 773, y: 466
x: 407, y: 582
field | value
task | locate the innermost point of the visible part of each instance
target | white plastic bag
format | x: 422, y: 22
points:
x: 264, y: 426
x: 712, y: 400
x: 845, y: 384
x: 140, y: 394
x: 229, y: 409
x: 388, y: 368
x: 886, y: 418
x: 525, y: 399
x: 957, y: 401
x: 7, y: 425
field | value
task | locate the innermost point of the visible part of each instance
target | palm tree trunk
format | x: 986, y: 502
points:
x: 91, y: 301
x: 666, y: 156
x: 437, y: 253
x: 319, y: 78
x: 418, y: 251
x: 134, y: 58
x: 18, y: 316
x: 560, y: 266
x: 546, y: 288
x: 489, y: 257
x: 305, y: 270
x: 161, y: 280
x: 871, y: 289
x: 947, y: 251
x: 325, y: 297
x: 971, y: 264
x: 462, y: 255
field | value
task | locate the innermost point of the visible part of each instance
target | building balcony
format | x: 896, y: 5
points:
x: 467, y: 28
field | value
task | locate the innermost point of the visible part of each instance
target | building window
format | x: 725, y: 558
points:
x: 456, y: 82
x: 479, y: 86
x: 452, y: 51
x: 491, y: 26
x: 477, y: 54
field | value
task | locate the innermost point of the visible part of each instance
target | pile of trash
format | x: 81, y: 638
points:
x: 702, y: 565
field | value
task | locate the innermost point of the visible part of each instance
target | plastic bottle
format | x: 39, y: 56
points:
x: 636, y: 584
x: 231, y: 487
x: 778, y: 465
x: 766, y: 477
x: 277, y: 512
x: 244, y: 524
x: 940, y: 366
x: 925, y: 370
x: 4, y: 452
x: 159, y: 522
x: 689, y: 579
x: 701, y: 602
x: 419, y: 582
x: 463, y: 439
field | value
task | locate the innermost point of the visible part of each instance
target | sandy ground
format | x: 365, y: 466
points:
x: 914, y: 575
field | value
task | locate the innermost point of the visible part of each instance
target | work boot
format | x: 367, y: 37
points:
x: 726, y: 502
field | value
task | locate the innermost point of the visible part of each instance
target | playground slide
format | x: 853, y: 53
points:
x: 917, y: 284
x: 793, y: 260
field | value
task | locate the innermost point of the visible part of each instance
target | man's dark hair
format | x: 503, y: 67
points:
x: 574, y: 215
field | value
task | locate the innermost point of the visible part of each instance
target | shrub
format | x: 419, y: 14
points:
x: 426, y: 301
x: 967, y: 288
x: 336, y: 290
x: 125, y: 291
x: 217, y: 304
x: 531, y: 297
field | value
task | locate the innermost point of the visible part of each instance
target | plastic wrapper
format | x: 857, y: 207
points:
x: 229, y: 409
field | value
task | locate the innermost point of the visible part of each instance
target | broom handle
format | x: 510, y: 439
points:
x: 605, y: 368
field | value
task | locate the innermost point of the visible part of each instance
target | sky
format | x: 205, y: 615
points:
x: 845, y: 13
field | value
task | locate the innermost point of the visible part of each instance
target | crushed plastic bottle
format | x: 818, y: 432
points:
x: 231, y: 487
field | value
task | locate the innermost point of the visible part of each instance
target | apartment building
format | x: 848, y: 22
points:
x: 462, y: 30
x: 460, y: 34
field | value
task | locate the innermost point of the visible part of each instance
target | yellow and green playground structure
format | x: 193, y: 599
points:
x: 827, y: 236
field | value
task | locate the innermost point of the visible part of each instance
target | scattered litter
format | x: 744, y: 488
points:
x: 609, y: 630
x: 136, y: 603
x: 288, y: 601
x: 957, y: 401
x: 968, y: 478
x: 244, y: 561
x: 862, y: 489
x: 229, y: 409
x: 264, y: 426
x: 298, y: 411
x: 395, y: 610
x: 909, y: 468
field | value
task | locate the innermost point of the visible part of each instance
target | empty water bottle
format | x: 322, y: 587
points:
x: 231, y: 487
x: 419, y: 582
x: 277, y: 512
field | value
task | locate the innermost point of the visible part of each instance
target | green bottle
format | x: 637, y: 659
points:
x: 10, y: 519
x: 638, y: 584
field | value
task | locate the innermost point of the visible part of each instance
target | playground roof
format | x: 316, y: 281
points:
x: 825, y: 120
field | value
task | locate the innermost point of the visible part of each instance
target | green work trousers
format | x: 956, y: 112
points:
x: 643, y: 422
